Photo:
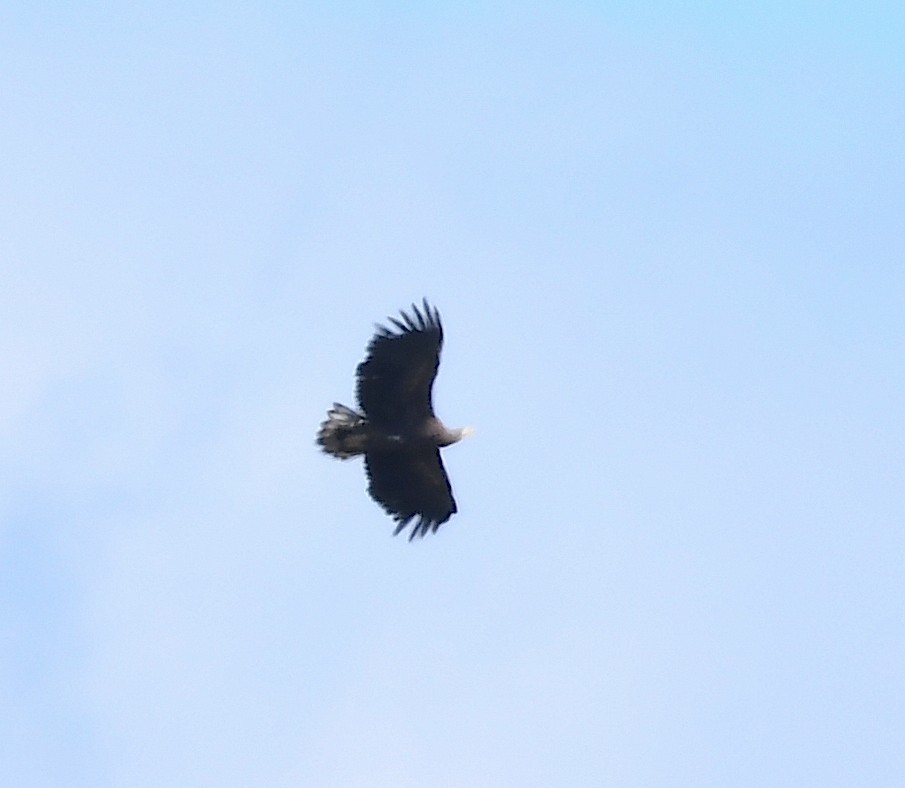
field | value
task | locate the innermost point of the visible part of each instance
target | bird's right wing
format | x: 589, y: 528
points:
x: 396, y: 377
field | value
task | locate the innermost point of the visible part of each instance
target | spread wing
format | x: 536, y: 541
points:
x: 396, y: 377
x: 410, y: 484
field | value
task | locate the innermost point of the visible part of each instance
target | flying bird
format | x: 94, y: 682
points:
x: 395, y: 427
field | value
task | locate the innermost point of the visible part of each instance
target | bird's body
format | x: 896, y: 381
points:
x: 396, y: 429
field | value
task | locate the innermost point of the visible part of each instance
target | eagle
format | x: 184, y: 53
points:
x: 395, y: 427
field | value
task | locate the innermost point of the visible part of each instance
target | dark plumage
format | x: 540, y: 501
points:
x: 396, y: 430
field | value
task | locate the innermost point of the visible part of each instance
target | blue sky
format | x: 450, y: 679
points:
x: 668, y: 249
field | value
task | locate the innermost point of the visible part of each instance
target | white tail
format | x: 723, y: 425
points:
x: 344, y: 432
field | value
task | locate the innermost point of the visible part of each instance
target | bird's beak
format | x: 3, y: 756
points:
x: 467, y: 431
